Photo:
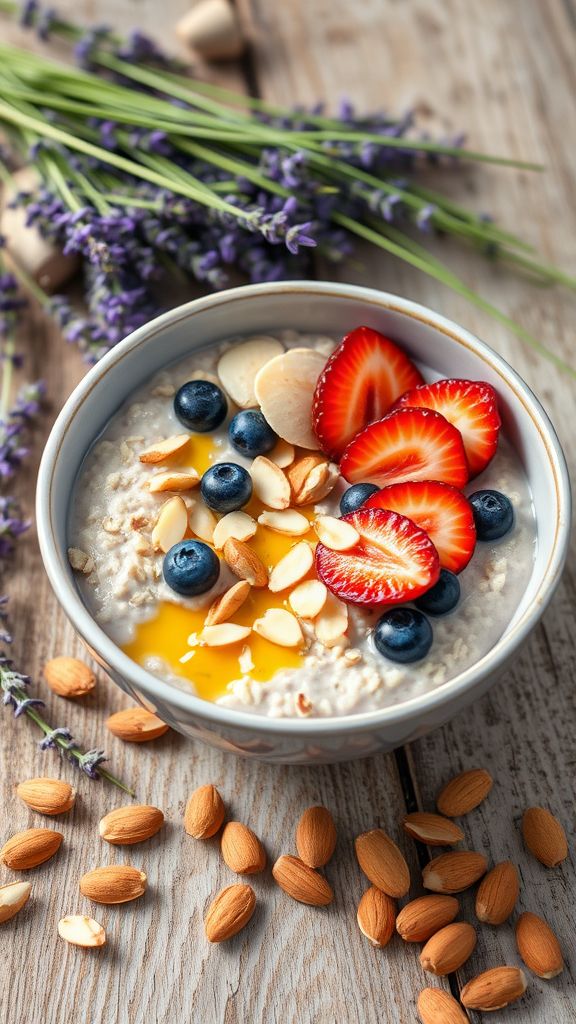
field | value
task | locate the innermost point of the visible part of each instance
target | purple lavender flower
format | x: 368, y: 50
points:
x: 25, y: 408
x: 28, y: 13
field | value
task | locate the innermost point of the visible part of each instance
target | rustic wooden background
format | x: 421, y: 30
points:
x: 505, y: 73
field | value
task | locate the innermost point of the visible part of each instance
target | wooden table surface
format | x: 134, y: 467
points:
x: 505, y: 73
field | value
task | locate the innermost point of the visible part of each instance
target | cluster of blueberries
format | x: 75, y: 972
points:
x: 402, y: 634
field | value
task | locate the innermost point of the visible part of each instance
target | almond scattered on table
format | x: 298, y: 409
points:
x: 229, y: 912
x: 28, y: 849
x: 382, y: 862
x: 316, y: 836
x: 464, y: 792
x: 494, y: 989
x: 376, y: 916
x: 301, y: 882
x: 136, y: 725
x: 113, y: 884
x: 449, y: 948
x: 13, y: 896
x: 435, y: 1006
x: 454, y: 871
x: 432, y: 829
x: 204, y: 812
x: 132, y: 824
x: 241, y: 849
x: 47, y: 796
x: 424, y: 916
x: 544, y: 836
x: 79, y: 930
x: 538, y: 946
x: 497, y: 894
x: 69, y: 677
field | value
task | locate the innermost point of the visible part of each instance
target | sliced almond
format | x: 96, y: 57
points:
x: 449, y: 948
x: 300, y: 470
x: 336, y: 534
x: 432, y: 829
x: 538, y: 946
x: 283, y: 454
x: 424, y: 916
x: 308, y: 599
x: 292, y: 568
x: 79, y: 930
x: 163, y: 450
x: 224, y: 634
x: 13, y: 896
x: 464, y: 792
x: 279, y: 627
x: 270, y: 483
x: 238, y: 525
x: 497, y: 894
x: 240, y: 364
x: 319, y: 483
x: 494, y: 989
x: 201, y: 521
x: 228, y: 603
x: 376, y: 916
x: 287, y: 521
x: 171, y: 525
x: 174, y: 481
x: 81, y: 561
x: 544, y: 836
x: 382, y: 863
x: 284, y: 389
x: 454, y: 871
x: 244, y: 563
x: 435, y: 1006
x: 204, y: 812
x: 332, y: 622
x: 301, y: 882
x: 229, y: 912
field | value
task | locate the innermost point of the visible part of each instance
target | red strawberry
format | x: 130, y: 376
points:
x: 393, y: 561
x: 409, y: 444
x: 359, y: 384
x: 470, y: 405
x: 438, y: 509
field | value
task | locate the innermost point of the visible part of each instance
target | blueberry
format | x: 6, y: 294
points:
x: 226, y: 487
x: 493, y: 514
x: 200, y: 405
x: 191, y: 567
x: 250, y: 434
x: 403, y: 634
x: 442, y: 597
x: 355, y: 496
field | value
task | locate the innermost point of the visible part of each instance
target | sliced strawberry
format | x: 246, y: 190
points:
x: 359, y: 384
x: 409, y: 444
x: 440, y: 510
x: 393, y: 561
x: 471, y: 406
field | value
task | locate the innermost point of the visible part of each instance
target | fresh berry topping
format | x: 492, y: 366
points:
x: 403, y: 634
x: 359, y: 384
x: 191, y: 567
x: 440, y: 510
x: 226, y: 487
x: 355, y: 496
x: 250, y: 434
x: 393, y: 561
x: 442, y: 597
x: 471, y: 406
x: 200, y: 405
x: 493, y: 514
x: 409, y: 444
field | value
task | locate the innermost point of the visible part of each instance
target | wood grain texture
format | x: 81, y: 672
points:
x: 506, y: 74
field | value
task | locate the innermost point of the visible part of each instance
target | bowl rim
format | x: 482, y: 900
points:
x: 155, y: 689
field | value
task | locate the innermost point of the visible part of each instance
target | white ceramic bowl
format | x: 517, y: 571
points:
x: 323, y: 308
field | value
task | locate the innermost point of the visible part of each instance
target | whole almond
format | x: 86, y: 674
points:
x: 244, y: 563
x: 316, y: 836
x: 376, y: 916
x: 79, y: 930
x: 229, y: 912
x: 432, y: 829
x: 69, y: 677
x: 544, y: 836
x: 382, y: 862
x: 113, y: 884
x: 464, y: 792
x: 494, y: 989
x: 435, y: 1006
x: 132, y: 824
x: 228, y: 603
x: 241, y: 849
x: 299, y: 471
x: 136, y: 725
x: 497, y: 893
x: 301, y: 882
x: 47, y: 796
x: 538, y: 946
x: 204, y: 812
x: 424, y: 916
x: 449, y: 948
x: 454, y: 871
x: 12, y: 898
x: 30, y: 848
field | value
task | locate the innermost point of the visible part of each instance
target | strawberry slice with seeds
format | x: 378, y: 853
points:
x: 393, y: 561
x: 471, y: 406
x: 440, y: 510
x: 361, y: 381
x: 409, y: 444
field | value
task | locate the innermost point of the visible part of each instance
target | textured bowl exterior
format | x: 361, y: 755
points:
x: 323, y: 308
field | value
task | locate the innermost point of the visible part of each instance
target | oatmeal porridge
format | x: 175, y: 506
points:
x: 283, y: 525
